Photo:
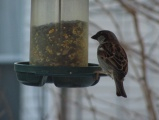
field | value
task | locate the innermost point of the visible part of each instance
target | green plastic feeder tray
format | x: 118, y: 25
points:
x: 60, y: 76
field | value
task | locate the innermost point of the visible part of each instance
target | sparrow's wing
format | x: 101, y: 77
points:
x: 115, y: 56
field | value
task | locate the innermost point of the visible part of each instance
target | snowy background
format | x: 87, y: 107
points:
x: 98, y: 102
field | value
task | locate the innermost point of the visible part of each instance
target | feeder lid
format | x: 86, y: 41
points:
x: 60, y: 76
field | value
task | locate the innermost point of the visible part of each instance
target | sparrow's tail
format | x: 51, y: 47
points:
x: 120, y: 89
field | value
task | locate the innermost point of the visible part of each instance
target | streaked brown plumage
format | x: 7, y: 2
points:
x: 112, y: 58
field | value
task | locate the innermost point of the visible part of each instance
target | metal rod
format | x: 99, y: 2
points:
x: 64, y: 100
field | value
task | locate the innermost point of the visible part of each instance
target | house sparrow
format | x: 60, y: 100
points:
x: 112, y: 59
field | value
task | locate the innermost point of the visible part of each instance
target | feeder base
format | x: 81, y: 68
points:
x: 60, y: 76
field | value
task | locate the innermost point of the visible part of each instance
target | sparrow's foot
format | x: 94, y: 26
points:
x: 98, y: 74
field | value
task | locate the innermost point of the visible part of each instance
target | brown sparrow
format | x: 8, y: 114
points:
x: 112, y: 58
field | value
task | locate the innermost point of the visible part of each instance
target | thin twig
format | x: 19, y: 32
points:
x: 2, y: 113
x: 145, y: 86
x: 95, y: 25
x: 145, y: 6
x: 156, y: 2
x: 153, y: 46
x: 126, y: 110
x: 133, y: 65
x: 107, y: 11
x: 132, y: 9
x: 102, y: 114
x: 148, y: 58
x: 7, y: 108
x: 91, y: 104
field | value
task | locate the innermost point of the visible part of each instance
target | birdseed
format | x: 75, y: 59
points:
x: 60, y: 44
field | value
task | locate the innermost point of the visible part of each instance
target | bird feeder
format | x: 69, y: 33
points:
x: 58, y: 45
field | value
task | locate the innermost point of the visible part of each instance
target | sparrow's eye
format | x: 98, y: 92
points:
x: 101, y: 33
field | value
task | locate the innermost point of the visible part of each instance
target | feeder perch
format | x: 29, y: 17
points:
x: 58, y: 45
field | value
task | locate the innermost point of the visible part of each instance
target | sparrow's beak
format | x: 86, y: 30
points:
x: 94, y: 37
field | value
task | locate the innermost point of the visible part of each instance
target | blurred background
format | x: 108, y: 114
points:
x: 135, y: 23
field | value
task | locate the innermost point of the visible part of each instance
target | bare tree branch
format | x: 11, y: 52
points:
x: 126, y: 110
x: 145, y: 6
x: 148, y: 58
x: 132, y: 9
x: 108, y: 12
x: 101, y: 113
x: 92, y: 108
x: 156, y: 2
x: 95, y: 25
x: 153, y: 46
x: 7, y: 108
x: 145, y: 86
